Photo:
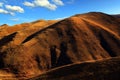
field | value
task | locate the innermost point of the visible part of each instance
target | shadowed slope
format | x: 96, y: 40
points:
x: 94, y: 70
x: 7, y: 39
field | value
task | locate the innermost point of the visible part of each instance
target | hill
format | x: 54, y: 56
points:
x: 94, y: 70
x: 30, y: 49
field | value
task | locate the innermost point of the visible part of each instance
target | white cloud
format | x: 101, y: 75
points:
x: 15, y: 19
x: 12, y: 13
x: 58, y: 2
x: 1, y: 4
x: 4, y: 11
x: 26, y: 3
x: 15, y: 8
x: 45, y: 3
x: 8, y: 9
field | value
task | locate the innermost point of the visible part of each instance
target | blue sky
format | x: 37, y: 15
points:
x: 19, y: 11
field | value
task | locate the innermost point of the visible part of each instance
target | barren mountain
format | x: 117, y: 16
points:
x: 108, y: 69
x: 30, y: 49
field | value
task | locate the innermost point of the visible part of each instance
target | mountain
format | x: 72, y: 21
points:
x: 108, y: 69
x: 30, y: 49
x: 117, y: 15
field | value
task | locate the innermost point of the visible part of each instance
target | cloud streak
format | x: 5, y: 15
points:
x: 58, y: 2
x: 44, y: 3
x: 71, y: 1
x: 29, y: 4
x: 9, y: 9
x: 4, y: 11
x: 15, y: 8
x: 15, y: 19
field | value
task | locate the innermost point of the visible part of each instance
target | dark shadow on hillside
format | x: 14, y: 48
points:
x: 63, y: 58
x: 53, y: 56
x: 7, y: 39
x: 106, y: 46
x: 2, y: 55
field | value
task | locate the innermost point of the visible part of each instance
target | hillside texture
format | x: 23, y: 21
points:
x: 31, y: 49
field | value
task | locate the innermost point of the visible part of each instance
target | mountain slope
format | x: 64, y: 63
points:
x: 94, y: 70
x: 44, y: 45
